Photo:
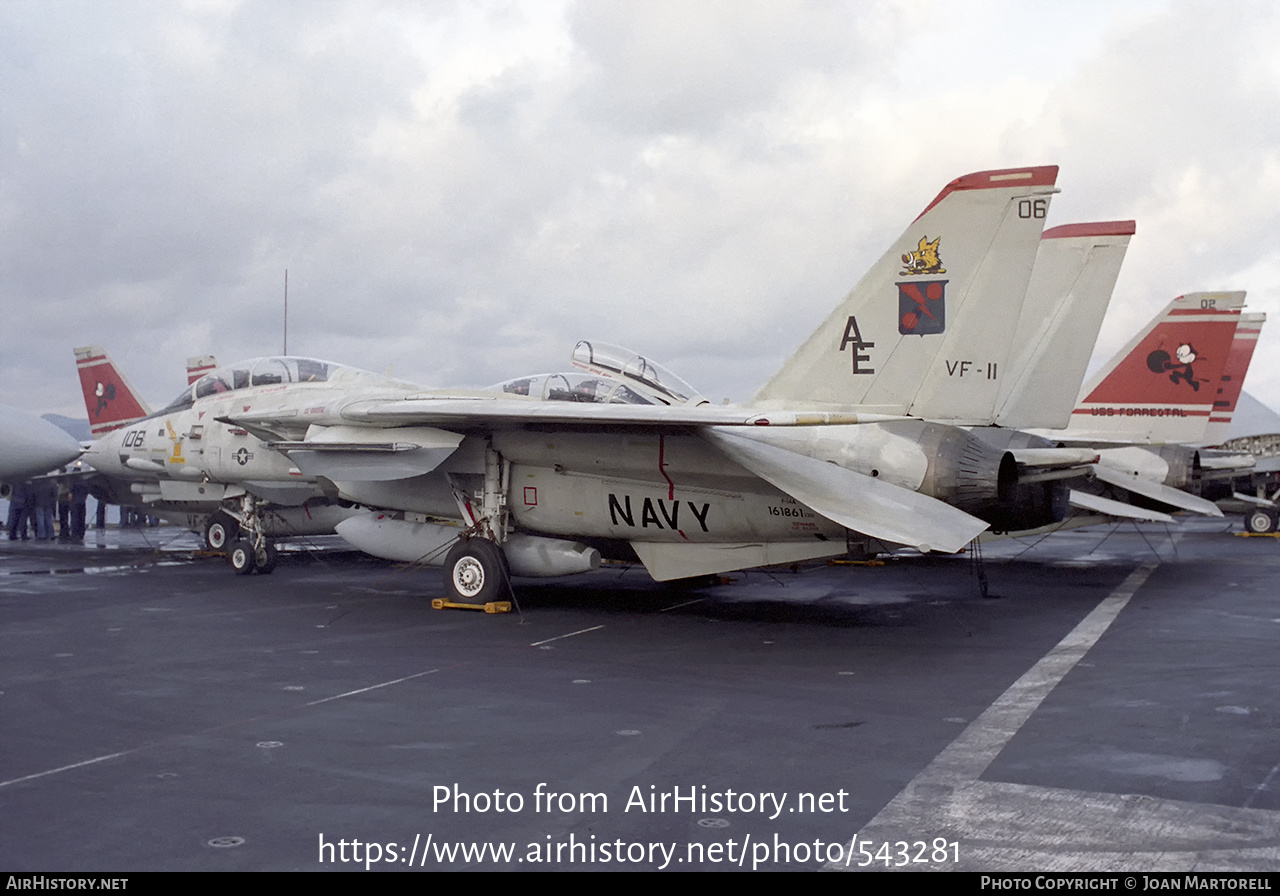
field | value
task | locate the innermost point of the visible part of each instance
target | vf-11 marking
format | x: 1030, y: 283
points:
x: 965, y: 367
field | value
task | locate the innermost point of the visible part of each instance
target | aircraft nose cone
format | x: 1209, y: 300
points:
x: 30, y: 446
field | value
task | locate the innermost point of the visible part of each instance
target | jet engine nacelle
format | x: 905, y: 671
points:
x: 1183, y: 464
x: 976, y: 472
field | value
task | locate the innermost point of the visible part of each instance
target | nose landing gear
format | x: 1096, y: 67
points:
x: 248, y: 548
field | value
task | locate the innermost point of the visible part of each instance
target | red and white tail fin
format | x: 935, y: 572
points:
x: 1075, y: 273
x: 928, y: 330
x: 1162, y: 385
x: 1232, y: 383
x: 199, y: 366
x: 108, y: 398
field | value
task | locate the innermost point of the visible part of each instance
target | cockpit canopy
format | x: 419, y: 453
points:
x: 254, y: 372
x: 613, y: 375
x: 612, y: 361
x: 573, y: 387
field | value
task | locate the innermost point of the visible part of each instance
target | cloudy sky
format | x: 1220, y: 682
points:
x: 461, y: 190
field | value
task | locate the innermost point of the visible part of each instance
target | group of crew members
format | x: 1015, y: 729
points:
x: 52, y: 509
x: 34, y: 504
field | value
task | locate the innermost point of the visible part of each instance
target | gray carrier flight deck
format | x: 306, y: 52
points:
x: 1111, y: 705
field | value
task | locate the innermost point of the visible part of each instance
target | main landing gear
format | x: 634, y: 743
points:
x: 475, y: 570
x: 1261, y: 521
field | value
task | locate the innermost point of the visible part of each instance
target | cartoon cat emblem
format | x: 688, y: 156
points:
x: 105, y: 393
x: 924, y: 260
x: 1180, y: 369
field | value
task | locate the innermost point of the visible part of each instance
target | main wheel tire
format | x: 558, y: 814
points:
x: 266, y: 558
x: 221, y: 529
x: 1261, y: 521
x: 241, y: 556
x: 475, y: 572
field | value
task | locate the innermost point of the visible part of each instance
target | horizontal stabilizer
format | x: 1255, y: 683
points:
x: 665, y: 562
x: 1048, y: 464
x: 856, y: 501
x: 1236, y: 462
x: 1054, y: 457
x: 1086, y: 501
x: 1156, y: 491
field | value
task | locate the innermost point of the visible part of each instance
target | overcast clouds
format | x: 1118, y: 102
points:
x: 459, y: 191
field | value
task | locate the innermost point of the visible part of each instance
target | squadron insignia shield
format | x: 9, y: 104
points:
x: 922, y: 307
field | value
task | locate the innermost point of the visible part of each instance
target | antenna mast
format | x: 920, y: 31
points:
x: 286, y: 311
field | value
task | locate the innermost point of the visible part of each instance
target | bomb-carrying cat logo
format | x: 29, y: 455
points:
x: 922, y: 304
x: 105, y: 393
x: 1178, y: 367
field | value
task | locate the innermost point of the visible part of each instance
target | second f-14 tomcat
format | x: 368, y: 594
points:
x: 860, y: 431
x: 29, y: 446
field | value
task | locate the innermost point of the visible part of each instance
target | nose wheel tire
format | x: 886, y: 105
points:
x: 265, y: 559
x: 241, y: 556
x: 475, y: 572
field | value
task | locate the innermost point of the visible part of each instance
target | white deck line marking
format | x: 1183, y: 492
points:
x: 1016, y: 827
x: 688, y: 603
x: 1265, y: 785
x: 372, y: 687
x: 980, y: 743
x: 583, y: 631
x: 67, y: 768
x: 75, y: 765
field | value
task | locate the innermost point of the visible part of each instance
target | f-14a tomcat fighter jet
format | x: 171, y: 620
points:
x: 202, y: 499
x: 860, y: 431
